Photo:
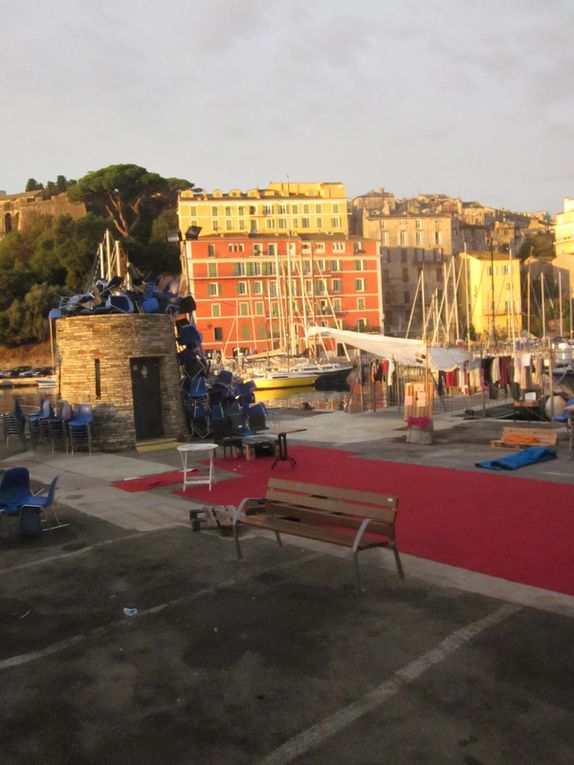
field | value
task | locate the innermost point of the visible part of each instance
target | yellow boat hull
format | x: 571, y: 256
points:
x: 276, y: 383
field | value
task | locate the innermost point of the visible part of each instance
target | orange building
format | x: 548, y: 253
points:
x: 258, y: 294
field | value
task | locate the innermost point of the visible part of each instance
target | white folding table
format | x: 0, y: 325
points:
x: 190, y: 455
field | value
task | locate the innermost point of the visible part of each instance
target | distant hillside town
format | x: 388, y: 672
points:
x: 263, y: 261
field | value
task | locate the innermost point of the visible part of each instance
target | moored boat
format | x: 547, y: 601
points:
x: 273, y: 380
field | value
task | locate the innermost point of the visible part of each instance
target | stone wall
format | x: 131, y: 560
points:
x: 115, y: 339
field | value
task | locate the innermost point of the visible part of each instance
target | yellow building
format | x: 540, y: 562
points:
x: 281, y: 208
x: 564, y: 244
x: 489, y: 293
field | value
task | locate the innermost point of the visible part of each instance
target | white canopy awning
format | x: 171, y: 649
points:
x: 411, y: 352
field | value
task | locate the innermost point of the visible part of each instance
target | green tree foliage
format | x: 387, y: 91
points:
x: 39, y: 265
x: 126, y: 193
x: 540, y: 246
x: 33, y: 185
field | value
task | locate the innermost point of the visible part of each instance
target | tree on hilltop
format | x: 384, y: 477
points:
x: 125, y: 192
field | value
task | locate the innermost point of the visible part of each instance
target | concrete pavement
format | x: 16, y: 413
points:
x: 273, y: 659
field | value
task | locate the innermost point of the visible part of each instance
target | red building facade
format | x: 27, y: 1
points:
x: 257, y: 294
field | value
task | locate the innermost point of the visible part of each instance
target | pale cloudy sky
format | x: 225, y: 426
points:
x: 466, y: 97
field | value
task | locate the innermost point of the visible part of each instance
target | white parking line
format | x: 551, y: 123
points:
x: 317, y: 734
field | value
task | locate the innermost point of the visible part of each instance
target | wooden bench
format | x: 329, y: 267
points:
x: 521, y: 438
x: 359, y: 520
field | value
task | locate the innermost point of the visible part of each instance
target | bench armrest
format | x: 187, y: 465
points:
x: 244, y: 507
x: 359, y: 535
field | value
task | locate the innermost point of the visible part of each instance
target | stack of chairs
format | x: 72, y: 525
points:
x: 58, y: 426
x: 14, y: 424
x: 38, y: 423
x: 80, y: 427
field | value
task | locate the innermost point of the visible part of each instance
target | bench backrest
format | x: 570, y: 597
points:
x: 350, y: 505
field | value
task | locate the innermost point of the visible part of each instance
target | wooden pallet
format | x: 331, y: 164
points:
x: 539, y: 438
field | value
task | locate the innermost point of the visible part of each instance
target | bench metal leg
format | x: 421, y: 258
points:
x: 279, y: 540
x: 398, y: 562
x: 236, y: 537
x: 357, y: 574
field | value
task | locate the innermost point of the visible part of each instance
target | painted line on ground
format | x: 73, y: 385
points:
x: 72, y: 554
x: 313, y: 737
x: 26, y: 658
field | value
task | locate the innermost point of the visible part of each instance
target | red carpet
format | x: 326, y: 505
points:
x: 516, y: 529
x: 145, y: 482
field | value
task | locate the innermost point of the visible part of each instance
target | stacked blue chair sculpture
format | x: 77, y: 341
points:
x: 18, y: 499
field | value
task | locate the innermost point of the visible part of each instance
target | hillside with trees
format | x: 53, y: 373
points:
x: 54, y: 256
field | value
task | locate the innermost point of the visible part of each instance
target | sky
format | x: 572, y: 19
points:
x: 471, y: 98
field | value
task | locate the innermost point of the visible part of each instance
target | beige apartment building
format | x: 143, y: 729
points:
x: 416, y: 251
x: 280, y: 209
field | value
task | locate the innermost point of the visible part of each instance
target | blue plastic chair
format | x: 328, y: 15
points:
x: 14, y: 490
x: 80, y: 426
x: 34, y: 510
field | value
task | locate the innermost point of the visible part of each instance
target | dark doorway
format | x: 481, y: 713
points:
x: 147, y: 397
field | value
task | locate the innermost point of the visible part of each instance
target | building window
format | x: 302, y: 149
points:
x: 294, y: 209
x: 385, y: 238
x: 210, y: 250
x: 242, y: 288
x: 305, y: 209
x: 262, y: 332
x: 213, y: 289
x: 437, y: 237
x: 269, y: 223
x: 215, y: 310
x: 257, y: 287
x: 241, y: 210
x: 98, y: 378
x: 244, y: 309
x: 335, y: 208
x: 257, y: 249
x: 218, y: 333
x: 359, y: 265
x: 335, y: 265
x: 242, y: 225
x: 228, y: 211
x: 338, y: 246
x: 337, y: 305
x: 418, y: 223
x: 403, y: 238
x: 259, y: 308
x: 215, y: 225
x: 305, y: 222
x: 317, y: 209
x: 335, y: 222
x: 212, y: 270
x: 336, y: 285
x: 361, y: 325
x: 214, y: 211
x: 228, y: 225
x: 419, y: 239
x: 282, y: 223
x: 360, y: 304
x: 193, y: 211
x: 359, y: 285
x: 239, y: 269
x: 319, y: 223
x: 245, y: 332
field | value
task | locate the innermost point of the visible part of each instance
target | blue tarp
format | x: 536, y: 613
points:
x: 527, y: 456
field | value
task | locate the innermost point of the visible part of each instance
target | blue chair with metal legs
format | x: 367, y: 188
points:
x: 80, y: 427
